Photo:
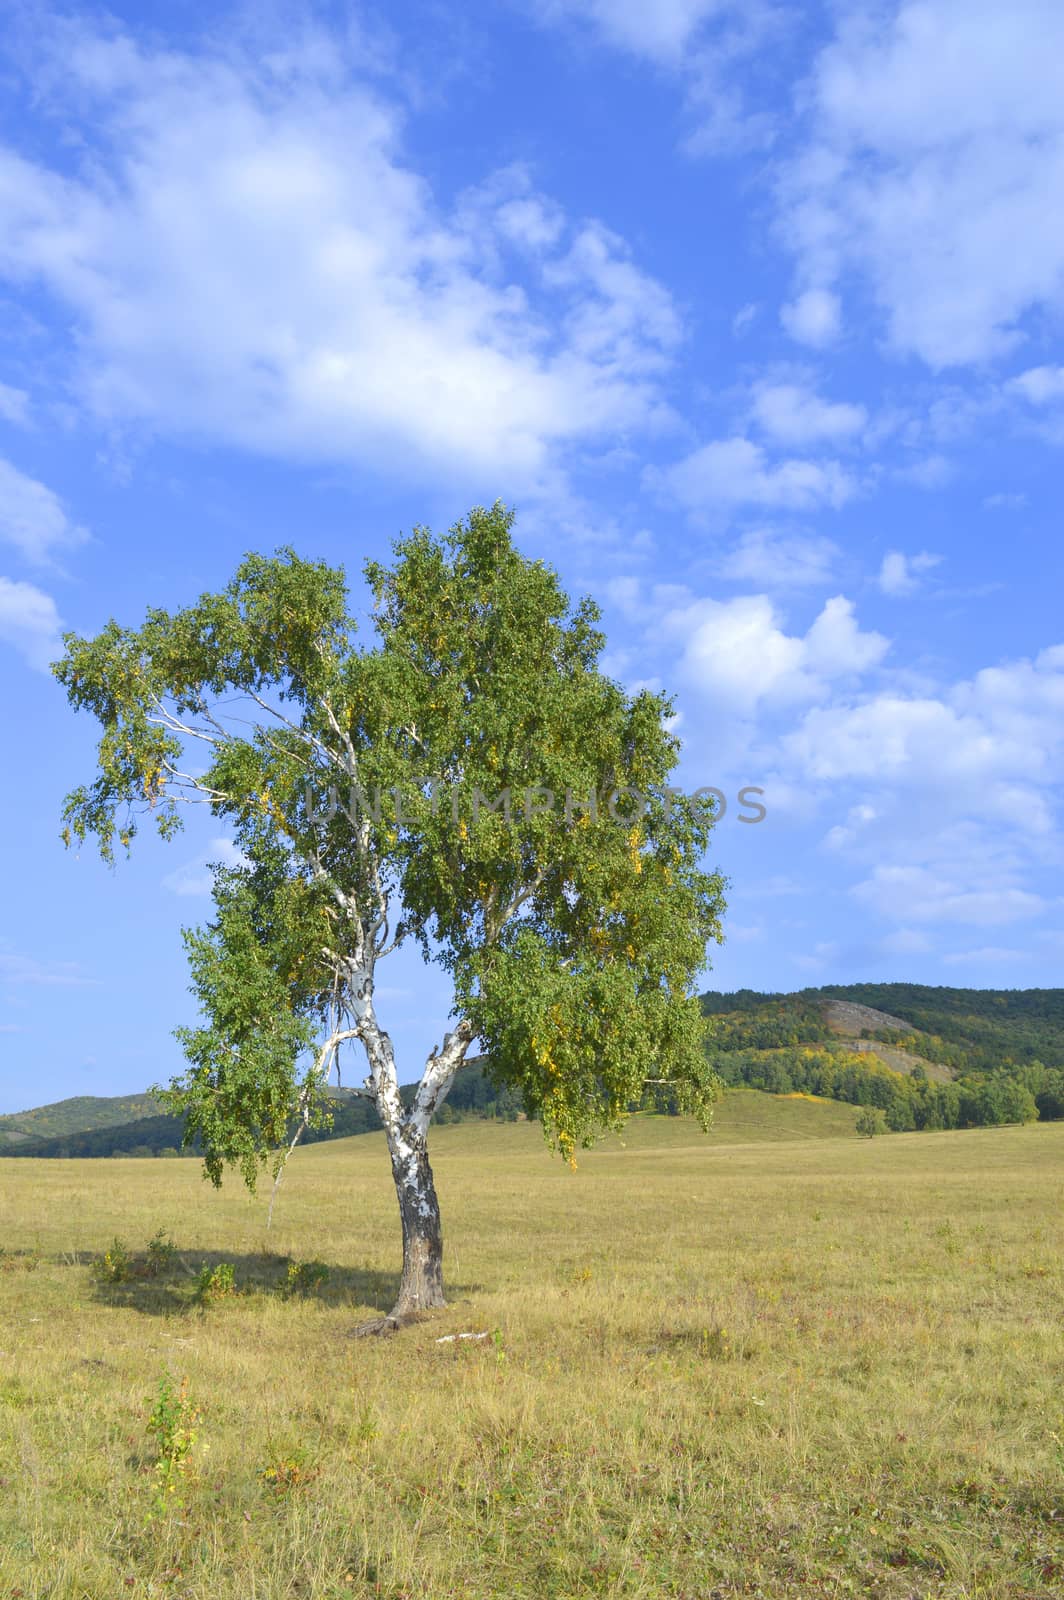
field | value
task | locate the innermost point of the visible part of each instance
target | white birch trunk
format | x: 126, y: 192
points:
x: 421, y: 1284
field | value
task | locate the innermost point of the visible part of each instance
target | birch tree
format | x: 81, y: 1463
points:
x: 468, y: 780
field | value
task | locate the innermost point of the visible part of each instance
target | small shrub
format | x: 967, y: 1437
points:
x: 162, y: 1252
x: 115, y: 1265
x: 716, y: 1344
x: 304, y: 1277
x: 288, y: 1468
x: 948, y: 1234
x: 174, y: 1423
x: 215, y: 1283
x: 20, y: 1260
x: 364, y: 1429
x: 870, y: 1122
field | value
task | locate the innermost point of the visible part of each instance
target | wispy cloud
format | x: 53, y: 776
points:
x: 195, y: 877
x: 728, y: 473
x: 29, y: 620
x: 14, y: 404
x: 21, y: 971
x: 33, y: 519
x: 900, y: 574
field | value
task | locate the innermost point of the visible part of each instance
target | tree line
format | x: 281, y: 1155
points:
x: 908, y: 1101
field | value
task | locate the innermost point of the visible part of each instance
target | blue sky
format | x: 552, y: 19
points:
x: 752, y: 310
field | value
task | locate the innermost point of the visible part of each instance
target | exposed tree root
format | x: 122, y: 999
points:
x: 382, y: 1327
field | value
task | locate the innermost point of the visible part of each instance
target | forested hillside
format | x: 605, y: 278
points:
x: 924, y: 1057
x: 75, y: 1115
x: 101, y: 1134
x: 919, y: 1057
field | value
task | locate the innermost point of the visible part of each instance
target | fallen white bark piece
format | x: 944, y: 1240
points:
x: 449, y: 1338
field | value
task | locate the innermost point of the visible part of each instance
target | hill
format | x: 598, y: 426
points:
x: 89, y: 1127
x: 926, y: 1057
x: 76, y: 1115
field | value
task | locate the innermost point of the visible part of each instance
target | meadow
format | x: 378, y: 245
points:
x: 776, y: 1361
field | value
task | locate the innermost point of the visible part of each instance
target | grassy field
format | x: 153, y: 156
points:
x: 778, y: 1361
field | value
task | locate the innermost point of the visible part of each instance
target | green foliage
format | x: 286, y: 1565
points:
x: 118, y: 1265
x: 972, y: 1030
x: 303, y: 1277
x: 746, y: 1020
x: 215, y: 1283
x: 162, y: 1253
x: 115, y: 1265
x: 870, y: 1122
x: 571, y: 935
x: 173, y: 1423
x: 289, y: 1467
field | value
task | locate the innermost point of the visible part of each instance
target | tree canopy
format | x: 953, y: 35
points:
x: 469, y: 780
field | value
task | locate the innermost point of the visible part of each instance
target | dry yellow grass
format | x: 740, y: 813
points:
x: 766, y: 1363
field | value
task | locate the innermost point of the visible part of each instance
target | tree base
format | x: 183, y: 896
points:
x: 382, y: 1327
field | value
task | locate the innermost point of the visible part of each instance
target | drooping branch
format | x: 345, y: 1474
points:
x: 318, y: 1074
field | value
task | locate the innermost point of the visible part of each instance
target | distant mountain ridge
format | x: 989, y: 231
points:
x: 925, y: 1056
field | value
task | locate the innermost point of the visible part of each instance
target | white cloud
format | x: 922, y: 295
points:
x: 1040, y: 385
x: 643, y: 602
x: 32, y: 518
x: 29, y: 621
x: 194, y: 877
x: 734, y: 472
x: 744, y: 318
x: 774, y: 886
x: 819, y: 958
x: 933, y: 472
x: 774, y: 560
x: 736, y: 652
x: 920, y: 895
x: 814, y: 318
x: 899, y: 573
x: 14, y: 404
x: 991, y: 953
x: 934, y: 169
x: 961, y: 772
x: 662, y: 31
x: 891, y: 737
x: 19, y: 971
x: 1012, y: 501
x: 318, y: 303
x: 795, y: 415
